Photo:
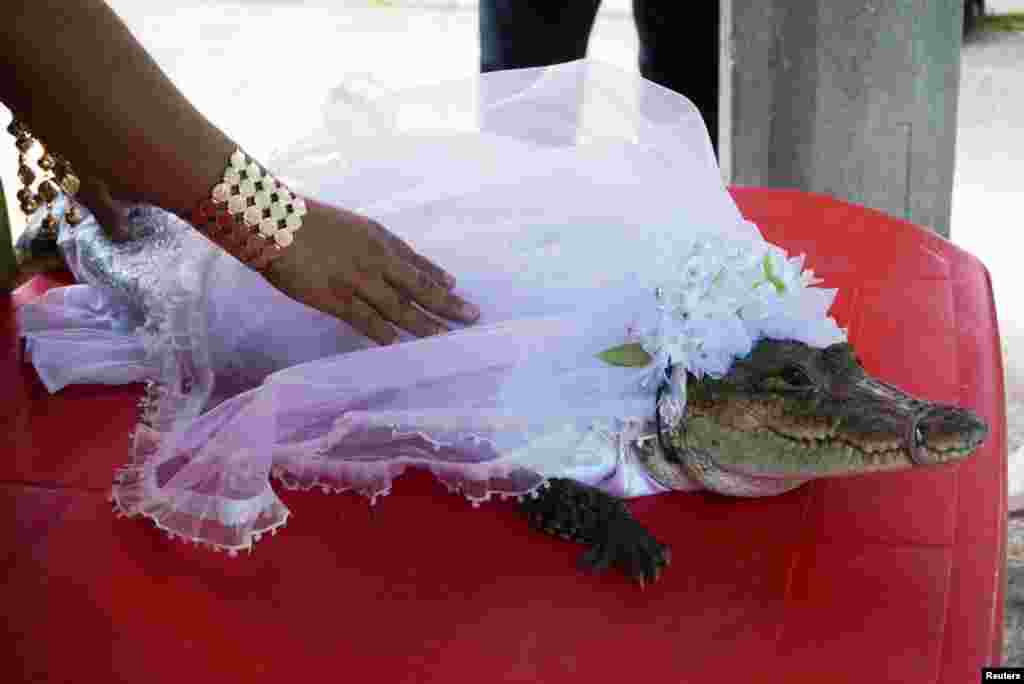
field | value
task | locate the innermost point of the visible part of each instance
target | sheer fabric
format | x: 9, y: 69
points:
x: 583, y: 194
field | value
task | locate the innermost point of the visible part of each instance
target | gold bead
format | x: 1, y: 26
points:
x: 26, y: 175
x: 16, y: 128
x: 49, y: 225
x: 70, y: 183
x: 29, y: 206
x: 46, y: 162
x: 73, y: 215
x: 61, y: 168
x: 48, y: 191
x: 24, y: 143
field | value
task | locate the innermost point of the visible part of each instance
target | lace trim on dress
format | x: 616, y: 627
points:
x: 232, y: 526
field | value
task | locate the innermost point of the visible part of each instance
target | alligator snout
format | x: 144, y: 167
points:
x: 793, y: 412
x: 942, y: 434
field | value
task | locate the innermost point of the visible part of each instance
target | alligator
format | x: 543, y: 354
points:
x: 784, y: 415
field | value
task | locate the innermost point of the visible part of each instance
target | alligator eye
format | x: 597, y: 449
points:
x: 795, y: 376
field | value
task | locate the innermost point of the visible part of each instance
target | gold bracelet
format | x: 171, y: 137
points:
x: 47, y: 191
x: 251, y: 214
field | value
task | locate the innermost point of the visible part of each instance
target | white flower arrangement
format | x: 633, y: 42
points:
x: 731, y: 294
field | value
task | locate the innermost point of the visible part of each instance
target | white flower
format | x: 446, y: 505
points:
x: 728, y: 295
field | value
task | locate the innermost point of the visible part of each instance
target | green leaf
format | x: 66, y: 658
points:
x: 629, y: 355
x: 769, y: 275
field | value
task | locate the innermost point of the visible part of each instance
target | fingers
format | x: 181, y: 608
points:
x: 346, y: 305
x: 395, y: 307
x: 426, y: 292
x: 401, y: 311
x: 366, y: 320
x: 417, y: 322
x: 95, y: 196
x: 402, y: 249
x: 422, y: 263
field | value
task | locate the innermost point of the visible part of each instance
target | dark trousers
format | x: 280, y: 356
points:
x: 678, y: 42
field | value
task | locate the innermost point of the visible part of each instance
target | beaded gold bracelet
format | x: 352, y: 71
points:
x: 251, y: 214
x: 49, y: 162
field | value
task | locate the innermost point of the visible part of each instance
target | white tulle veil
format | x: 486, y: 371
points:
x: 560, y: 197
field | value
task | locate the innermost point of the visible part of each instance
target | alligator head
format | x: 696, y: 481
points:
x: 788, y: 413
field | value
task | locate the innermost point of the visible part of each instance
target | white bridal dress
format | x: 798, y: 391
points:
x: 560, y: 197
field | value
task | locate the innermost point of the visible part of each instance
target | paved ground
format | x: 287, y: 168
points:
x: 990, y: 147
x: 986, y: 210
x: 1004, y: 6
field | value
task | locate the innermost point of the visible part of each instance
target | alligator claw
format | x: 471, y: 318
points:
x: 585, y: 514
x: 625, y: 543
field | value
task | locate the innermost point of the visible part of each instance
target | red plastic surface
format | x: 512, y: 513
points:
x: 876, y: 579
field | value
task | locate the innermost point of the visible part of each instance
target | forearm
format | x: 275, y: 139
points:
x: 84, y: 85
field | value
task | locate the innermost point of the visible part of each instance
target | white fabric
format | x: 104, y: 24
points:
x: 79, y: 335
x: 560, y: 197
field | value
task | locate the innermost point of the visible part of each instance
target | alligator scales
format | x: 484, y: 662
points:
x: 784, y: 415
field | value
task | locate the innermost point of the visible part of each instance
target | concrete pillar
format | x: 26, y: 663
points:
x: 851, y: 98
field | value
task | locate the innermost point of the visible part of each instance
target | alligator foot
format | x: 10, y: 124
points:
x: 586, y: 515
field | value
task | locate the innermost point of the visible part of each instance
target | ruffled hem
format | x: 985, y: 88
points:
x: 478, y: 483
x: 180, y: 526
x: 231, y: 526
x: 132, y: 497
x: 462, y: 486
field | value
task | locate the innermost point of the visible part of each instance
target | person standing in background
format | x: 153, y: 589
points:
x: 679, y: 42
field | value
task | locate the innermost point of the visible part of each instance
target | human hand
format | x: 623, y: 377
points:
x: 109, y: 213
x: 351, y: 267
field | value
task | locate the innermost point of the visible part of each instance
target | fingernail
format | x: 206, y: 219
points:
x: 470, y: 311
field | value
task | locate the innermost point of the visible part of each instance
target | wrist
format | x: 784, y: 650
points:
x: 248, y: 211
x: 190, y: 177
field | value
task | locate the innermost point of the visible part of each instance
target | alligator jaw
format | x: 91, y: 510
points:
x: 791, y: 412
